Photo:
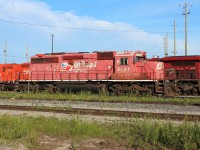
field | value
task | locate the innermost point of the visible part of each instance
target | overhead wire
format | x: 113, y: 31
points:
x: 78, y: 28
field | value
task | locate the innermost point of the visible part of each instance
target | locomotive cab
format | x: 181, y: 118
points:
x: 129, y: 66
x: 135, y: 66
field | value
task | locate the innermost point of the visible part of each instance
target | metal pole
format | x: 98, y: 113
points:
x: 174, y: 37
x: 27, y: 52
x: 186, y: 14
x: 5, y: 49
x: 52, y: 36
x: 166, y: 45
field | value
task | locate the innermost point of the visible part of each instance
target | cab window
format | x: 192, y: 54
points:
x: 136, y: 59
x: 123, y: 61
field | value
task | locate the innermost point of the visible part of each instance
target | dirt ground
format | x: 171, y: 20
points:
x: 49, y: 143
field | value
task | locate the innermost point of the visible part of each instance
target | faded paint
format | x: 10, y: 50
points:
x: 160, y: 66
x: 78, y: 66
x: 89, y: 67
x: 123, y: 69
x: 66, y: 67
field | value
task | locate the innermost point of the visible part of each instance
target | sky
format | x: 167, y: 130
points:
x: 96, y: 25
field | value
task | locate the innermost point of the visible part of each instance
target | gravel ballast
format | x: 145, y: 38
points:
x: 134, y: 107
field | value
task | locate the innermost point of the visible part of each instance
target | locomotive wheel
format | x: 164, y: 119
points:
x: 36, y: 88
x: 114, y: 91
x: 168, y: 91
x: 23, y: 88
x: 136, y: 92
x: 150, y: 93
x: 50, y: 88
x: 2, y: 88
x: 103, y: 89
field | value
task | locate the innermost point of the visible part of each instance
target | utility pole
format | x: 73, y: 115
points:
x: 5, y: 50
x: 52, y: 36
x: 186, y: 13
x: 166, y: 45
x: 27, y: 61
x: 27, y: 53
x: 174, y: 37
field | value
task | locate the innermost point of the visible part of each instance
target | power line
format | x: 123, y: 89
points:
x: 7, y: 55
x: 74, y: 28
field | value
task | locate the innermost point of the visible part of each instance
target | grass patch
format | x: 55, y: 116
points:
x: 137, y: 134
x: 88, y: 96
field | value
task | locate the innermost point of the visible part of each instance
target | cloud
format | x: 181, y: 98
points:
x: 74, y: 38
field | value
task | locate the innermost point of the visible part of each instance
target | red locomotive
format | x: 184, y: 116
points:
x: 182, y: 75
x: 116, y: 72
x: 111, y: 71
x: 10, y: 73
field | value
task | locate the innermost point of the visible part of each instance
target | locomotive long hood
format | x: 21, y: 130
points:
x: 181, y: 58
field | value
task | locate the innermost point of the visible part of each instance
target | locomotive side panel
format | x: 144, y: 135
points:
x: 9, y: 72
x: 181, y: 67
x: 24, y: 72
x: 70, y: 66
x: 88, y: 68
x: 155, y: 70
x: 45, y: 68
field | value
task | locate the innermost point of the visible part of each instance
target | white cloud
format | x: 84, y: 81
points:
x: 73, y: 39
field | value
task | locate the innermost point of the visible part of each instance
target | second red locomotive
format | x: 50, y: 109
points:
x: 182, y: 75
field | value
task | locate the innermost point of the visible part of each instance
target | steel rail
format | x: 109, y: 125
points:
x: 120, y: 101
x: 99, y: 112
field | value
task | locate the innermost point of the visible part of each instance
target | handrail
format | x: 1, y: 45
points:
x: 94, y: 75
x: 181, y: 74
x: 45, y: 75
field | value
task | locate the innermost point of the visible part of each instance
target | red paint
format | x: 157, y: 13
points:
x: 14, y: 72
x: 182, y: 67
x: 110, y: 65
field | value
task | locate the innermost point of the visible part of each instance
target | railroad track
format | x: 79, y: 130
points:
x: 122, y: 101
x: 99, y: 112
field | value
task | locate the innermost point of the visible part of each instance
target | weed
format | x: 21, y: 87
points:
x: 135, y: 133
x: 88, y: 96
